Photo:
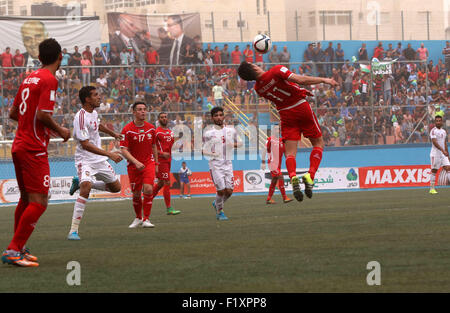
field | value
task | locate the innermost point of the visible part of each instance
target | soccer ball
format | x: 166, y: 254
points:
x: 262, y: 43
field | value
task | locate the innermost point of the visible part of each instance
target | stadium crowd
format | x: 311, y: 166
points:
x: 392, y: 111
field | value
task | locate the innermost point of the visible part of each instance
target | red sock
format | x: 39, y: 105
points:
x: 156, y: 189
x: 20, y: 208
x: 26, y: 225
x: 281, y: 187
x: 272, y: 187
x: 314, y: 160
x: 166, y: 193
x: 137, y: 206
x: 291, y: 165
x: 148, y: 202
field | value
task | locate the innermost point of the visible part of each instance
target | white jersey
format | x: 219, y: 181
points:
x: 220, y: 142
x: 85, y: 127
x: 441, y: 137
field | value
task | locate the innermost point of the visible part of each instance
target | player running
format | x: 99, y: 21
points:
x: 274, y: 151
x: 219, y: 143
x: 91, y: 163
x: 164, y: 141
x: 139, y: 148
x: 439, y: 152
x: 279, y: 85
x: 33, y: 109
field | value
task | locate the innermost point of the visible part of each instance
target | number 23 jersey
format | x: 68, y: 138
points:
x: 36, y: 93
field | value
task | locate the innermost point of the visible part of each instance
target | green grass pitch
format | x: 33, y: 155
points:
x: 320, y: 245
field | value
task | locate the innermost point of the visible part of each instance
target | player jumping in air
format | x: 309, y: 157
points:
x: 439, y: 152
x: 139, y: 148
x: 281, y: 86
x: 164, y: 142
x: 218, y: 144
x: 94, y: 171
x: 33, y: 109
x: 275, y: 151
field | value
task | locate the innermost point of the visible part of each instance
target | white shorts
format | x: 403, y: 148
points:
x: 100, y: 171
x: 438, y: 161
x: 222, y: 175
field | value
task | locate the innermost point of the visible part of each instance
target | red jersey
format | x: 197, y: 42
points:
x: 164, y: 142
x: 274, y: 86
x: 139, y: 142
x: 275, y: 149
x: 37, y: 92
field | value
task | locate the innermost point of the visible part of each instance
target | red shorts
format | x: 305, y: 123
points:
x: 163, y: 171
x: 139, y: 178
x: 299, y: 120
x: 32, y: 171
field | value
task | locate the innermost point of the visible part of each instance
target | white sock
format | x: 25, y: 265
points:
x: 432, y: 180
x: 78, y: 210
x: 219, y: 203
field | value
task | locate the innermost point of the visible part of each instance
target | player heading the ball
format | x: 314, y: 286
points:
x: 281, y: 86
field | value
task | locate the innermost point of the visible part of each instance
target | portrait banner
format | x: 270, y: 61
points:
x: 25, y: 34
x: 173, y: 36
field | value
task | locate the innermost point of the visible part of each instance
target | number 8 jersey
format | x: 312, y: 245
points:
x: 37, y: 92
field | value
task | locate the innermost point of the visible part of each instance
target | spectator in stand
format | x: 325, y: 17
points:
x: 75, y: 60
x: 98, y: 61
x: 422, y: 53
x: 7, y: 60
x: 65, y: 57
x: 18, y: 61
x: 198, y: 53
x: 339, y: 53
x: 274, y: 57
x: 308, y: 54
x: 152, y: 56
x: 398, y: 52
x: 85, y: 70
x: 362, y: 54
x: 285, y: 57
x: 329, y: 57
x: 409, y: 53
x: 187, y: 54
x: 218, y: 91
x: 105, y: 55
x: 248, y: 54
x: 236, y: 55
x: 446, y: 53
x: 259, y: 59
x: 225, y: 54
x: 124, y: 57
x: 217, y: 55
x: 114, y: 56
x: 378, y: 52
x: 209, y: 49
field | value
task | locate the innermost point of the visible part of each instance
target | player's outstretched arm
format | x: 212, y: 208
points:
x: 311, y: 80
x: 47, y: 119
x: 96, y: 150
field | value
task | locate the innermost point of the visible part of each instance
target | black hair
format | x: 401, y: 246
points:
x: 177, y: 19
x: 161, y: 113
x: 49, y: 51
x: 85, y: 92
x: 137, y: 103
x: 246, y: 71
x: 215, y: 110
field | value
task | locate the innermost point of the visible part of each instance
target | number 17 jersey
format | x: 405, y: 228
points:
x: 274, y: 86
x: 36, y: 93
